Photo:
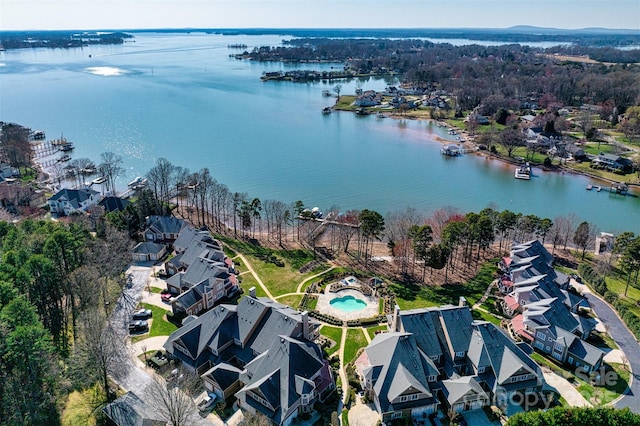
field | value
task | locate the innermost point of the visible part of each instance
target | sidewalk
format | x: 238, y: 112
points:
x: 565, y: 389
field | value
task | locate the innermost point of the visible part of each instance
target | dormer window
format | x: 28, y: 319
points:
x: 481, y: 369
x: 459, y: 354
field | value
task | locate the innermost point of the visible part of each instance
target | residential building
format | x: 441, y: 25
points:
x: 130, y: 410
x: 148, y: 251
x: 441, y: 358
x: 163, y: 229
x: 546, y: 313
x: 259, y: 352
x: 67, y: 201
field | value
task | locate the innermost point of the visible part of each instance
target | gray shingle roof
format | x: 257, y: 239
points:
x: 422, y: 323
x: 586, y: 351
x: 456, y: 323
x: 456, y: 389
x: 282, y: 373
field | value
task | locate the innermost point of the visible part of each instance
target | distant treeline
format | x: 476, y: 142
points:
x: 58, y: 39
x: 584, y: 37
x: 515, y: 72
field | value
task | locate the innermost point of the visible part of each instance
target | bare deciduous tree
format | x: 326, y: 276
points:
x: 173, y: 399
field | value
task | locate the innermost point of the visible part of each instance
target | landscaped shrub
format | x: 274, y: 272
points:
x: 610, y: 297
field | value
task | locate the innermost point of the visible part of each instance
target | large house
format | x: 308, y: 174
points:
x: 205, y: 283
x: 163, y: 229
x: 546, y: 312
x: 67, y: 201
x: 441, y: 358
x: 259, y: 352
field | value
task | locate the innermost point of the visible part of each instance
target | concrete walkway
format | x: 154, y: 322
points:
x: 149, y: 344
x: 362, y: 414
x: 564, y: 388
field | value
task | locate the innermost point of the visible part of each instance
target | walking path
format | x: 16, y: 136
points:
x: 253, y: 272
x: 564, y: 388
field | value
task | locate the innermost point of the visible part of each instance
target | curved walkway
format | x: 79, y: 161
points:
x: 253, y: 272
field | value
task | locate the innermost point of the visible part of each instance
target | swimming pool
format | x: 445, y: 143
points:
x: 348, y: 303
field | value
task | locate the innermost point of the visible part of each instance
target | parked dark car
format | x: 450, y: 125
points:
x: 142, y: 314
x: 576, y: 277
x: 138, y: 326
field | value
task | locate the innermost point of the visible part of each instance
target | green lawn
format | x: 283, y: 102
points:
x: 601, y: 395
x: 292, y: 300
x: 413, y: 295
x: 156, y: 290
x: 159, y: 326
x: 333, y: 333
x: 484, y: 316
x: 279, y: 280
x: 372, y: 330
x: 355, y: 340
x: 248, y: 281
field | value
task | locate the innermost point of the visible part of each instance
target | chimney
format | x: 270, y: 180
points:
x: 305, y: 325
x: 252, y: 292
x: 462, y: 301
x: 394, y: 321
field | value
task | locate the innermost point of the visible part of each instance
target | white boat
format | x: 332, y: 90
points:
x: 523, y: 172
x: 326, y: 110
x: 99, y: 180
x: 138, y: 182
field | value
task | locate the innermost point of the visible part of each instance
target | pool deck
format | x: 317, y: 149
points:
x: 324, y: 306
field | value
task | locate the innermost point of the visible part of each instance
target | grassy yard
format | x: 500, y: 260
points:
x: 584, y: 167
x: 292, y: 300
x: 80, y: 407
x: 414, y: 295
x: 159, y: 325
x: 484, y: 316
x: 333, y: 333
x: 355, y: 340
x: 372, y: 330
x: 248, y: 281
x: 279, y: 280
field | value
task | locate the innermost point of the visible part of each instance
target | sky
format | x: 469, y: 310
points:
x: 140, y: 14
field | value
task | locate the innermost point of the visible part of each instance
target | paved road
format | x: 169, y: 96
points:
x: 131, y: 374
x: 627, y: 343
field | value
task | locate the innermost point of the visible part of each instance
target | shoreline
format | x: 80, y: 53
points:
x: 469, y: 144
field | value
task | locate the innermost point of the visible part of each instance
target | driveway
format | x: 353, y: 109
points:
x: 627, y: 343
x: 479, y: 418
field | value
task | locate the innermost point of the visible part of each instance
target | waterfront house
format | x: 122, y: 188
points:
x: 204, y: 283
x: 260, y: 353
x: 113, y: 204
x: 192, y: 245
x: 546, y: 313
x: 67, y: 201
x: 163, y: 229
x: 613, y: 163
x: 441, y: 358
x: 18, y: 196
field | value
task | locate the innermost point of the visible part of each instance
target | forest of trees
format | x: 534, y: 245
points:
x: 474, y: 72
x: 57, y: 282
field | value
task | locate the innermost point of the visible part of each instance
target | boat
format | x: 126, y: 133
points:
x: 523, y: 172
x: 66, y: 147
x: 64, y: 158
x: 451, y: 150
x: 362, y: 111
x: 381, y: 115
x: 99, y: 180
x: 589, y: 187
x: 137, y: 183
x: 598, y: 188
x: 326, y: 93
x: 326, y: 110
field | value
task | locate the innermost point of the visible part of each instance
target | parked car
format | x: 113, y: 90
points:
x: 576, y: 277
x: 166, y: 296
x: 142, y: 314
x: 207, y: 402
x: 137, y: 326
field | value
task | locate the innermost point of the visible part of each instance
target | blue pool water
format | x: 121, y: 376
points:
x: 348, y: 303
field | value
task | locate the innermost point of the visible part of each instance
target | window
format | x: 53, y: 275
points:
x: 396, y: 415
x: 481, y: 369
x: 432, y: 378
x: 541, y: 336
x: 414, y: 397
x: 459, y: 354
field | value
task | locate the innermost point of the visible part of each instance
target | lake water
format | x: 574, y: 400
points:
x: 180, y: 96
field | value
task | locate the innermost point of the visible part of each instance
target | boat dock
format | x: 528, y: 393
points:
x: 615, y: 188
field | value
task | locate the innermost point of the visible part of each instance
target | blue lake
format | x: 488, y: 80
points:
x: 180, y: 96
